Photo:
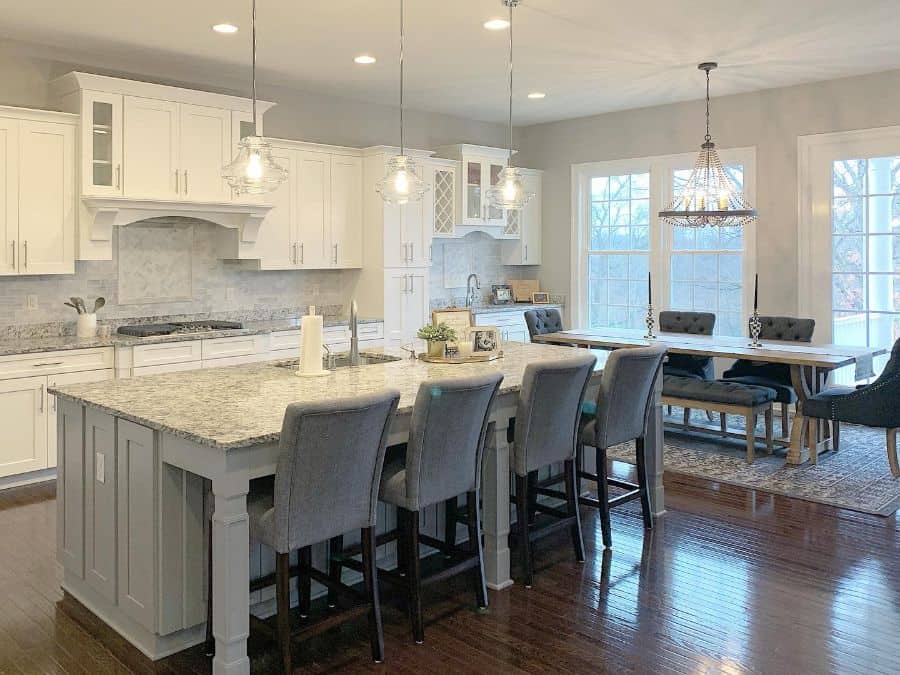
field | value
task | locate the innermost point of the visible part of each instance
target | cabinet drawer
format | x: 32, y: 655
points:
x: 166, y: 368
x: 371, y: 331
x: 70, y: 361
x: 243, y: 345
x: 336, y: 335
x: 500, y: 319
x: 285, y: 339
x: 166, y: 352
x: 235, y: 360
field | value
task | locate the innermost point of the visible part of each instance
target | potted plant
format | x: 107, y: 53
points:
x: 437, y: 338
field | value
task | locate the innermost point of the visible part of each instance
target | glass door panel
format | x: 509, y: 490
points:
x: 473, y: 191
x: 102, y: 143
x: 493, y: 213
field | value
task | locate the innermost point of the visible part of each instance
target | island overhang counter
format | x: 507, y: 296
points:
x: 137, y: 457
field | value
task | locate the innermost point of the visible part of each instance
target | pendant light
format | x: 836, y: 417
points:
x: 253, y: 170
x: 401, y: 184
x: 709, y: 198
x: 509, y: 193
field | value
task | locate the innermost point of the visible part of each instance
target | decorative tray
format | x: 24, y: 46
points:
x: 475, y: 358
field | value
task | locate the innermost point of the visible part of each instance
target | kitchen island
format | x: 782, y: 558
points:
x: 136, y: 458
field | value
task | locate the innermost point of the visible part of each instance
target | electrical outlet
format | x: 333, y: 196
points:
x: 31, y: 302
x: 316, y: 289
x: 229, y: 294
x: 100, y: 465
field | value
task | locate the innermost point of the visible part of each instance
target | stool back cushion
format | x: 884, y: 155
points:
x: 549, y: 411
x: 692, y: 323
x: 543, y: 321
x: 626, y: 394
x: 329, y: 467
x: 446, y: 437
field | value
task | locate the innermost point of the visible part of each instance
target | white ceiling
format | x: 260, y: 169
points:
x: 589, y: 56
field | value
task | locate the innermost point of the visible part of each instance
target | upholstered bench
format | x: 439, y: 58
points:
x: 726, y: 397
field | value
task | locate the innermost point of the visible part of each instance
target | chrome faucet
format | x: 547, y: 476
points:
x: 471, y: 295
x: 354, y: 333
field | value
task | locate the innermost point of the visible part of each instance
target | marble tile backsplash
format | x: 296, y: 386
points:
x: 168, y: 267
x: 455, y: 259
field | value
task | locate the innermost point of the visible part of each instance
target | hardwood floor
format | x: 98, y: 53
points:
x: 730, y: 581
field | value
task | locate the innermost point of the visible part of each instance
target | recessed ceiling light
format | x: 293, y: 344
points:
x: 365, y: 59
x: 537, y: 94
x: 496, y: 24
x: 225, y: 28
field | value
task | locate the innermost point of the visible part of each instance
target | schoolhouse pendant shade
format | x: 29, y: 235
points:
x: 253, y: 170
x: 709, y: 198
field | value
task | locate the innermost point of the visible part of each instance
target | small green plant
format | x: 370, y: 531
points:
x: 440, y: 333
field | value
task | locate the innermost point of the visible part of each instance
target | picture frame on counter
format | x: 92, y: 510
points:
x: 502, y: 294
x: 540, y: 298
x: 485, y: 340
x: 460, y: 319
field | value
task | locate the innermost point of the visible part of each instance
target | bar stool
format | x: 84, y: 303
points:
x: 325, y: 484
x: 547, y: 418
x: 624, y: 404
x: 447, y: 433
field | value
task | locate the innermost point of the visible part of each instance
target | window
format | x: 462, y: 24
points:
x: 619, y: 251
x: 865, y: 251
x: 619, y: 239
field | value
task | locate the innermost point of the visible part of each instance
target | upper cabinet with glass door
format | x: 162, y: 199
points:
x: 480, y: 169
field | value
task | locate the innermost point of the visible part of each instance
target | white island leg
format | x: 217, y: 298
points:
x: 495, y: 497
x: 653, y: 452
x: 231, y: 575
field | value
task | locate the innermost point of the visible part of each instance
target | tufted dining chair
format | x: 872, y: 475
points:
x: 543, y: 321
x: 871, y: 405
x: 685, y: 365
x: 775, y: 376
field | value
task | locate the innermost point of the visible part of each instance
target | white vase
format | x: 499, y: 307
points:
x: 87, y: 326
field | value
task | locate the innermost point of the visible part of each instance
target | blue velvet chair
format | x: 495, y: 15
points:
x: 775, y: 376
x: 872, y: 405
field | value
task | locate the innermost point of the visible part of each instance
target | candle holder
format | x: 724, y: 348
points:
x: 755, y: 329
x: 650, y: 323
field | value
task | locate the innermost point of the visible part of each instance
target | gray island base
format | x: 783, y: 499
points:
x: 136, y: 458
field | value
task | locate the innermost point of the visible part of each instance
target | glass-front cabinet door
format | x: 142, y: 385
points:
x: 494, y: 215
x: 102, y: 144
x: 473, y: 192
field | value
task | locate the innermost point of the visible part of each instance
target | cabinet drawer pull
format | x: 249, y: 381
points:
x: 14, y: 254
x: 118, y: 176
x: 185, y: 182
x: 42, y: 398
x: 177, y: 182
x: 26, y: 254
x: 43, y: 365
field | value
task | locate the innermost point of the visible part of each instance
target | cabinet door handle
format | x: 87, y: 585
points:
x: 42, y: 398
x: 412, y: 285
x: 292, y: 253
x: 302, y: 254
x: 177, y: 182
x: 14, y: 254
x: 335, y: 254
x: 412, y: 251
x: 526, y: 251
x: 404, y: 288
x: 26, y: 254
x: 118, y: 176
x: 430, y: 252
x: 185, y: 182
x: 53, y: 399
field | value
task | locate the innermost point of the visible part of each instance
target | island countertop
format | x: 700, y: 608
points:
x: 242, y: 406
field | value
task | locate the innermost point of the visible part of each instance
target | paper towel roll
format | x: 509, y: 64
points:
x: 311, y: 346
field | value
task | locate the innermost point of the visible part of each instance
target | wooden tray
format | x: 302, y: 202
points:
x: 475, y: 358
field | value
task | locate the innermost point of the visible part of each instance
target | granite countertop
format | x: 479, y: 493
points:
x: 27, y: 345
x: 516, y: 307
x: 242, y: 406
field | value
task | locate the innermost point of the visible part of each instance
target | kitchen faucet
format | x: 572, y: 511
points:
x: 471, y: 295
x: 354, y: 333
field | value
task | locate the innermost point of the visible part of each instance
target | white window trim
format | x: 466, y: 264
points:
x: 814, y: 166
x: 660, y: 236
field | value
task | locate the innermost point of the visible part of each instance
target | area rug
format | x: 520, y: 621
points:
x: 856, y: 477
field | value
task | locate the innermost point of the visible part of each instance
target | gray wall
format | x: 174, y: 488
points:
x: 771, y: 120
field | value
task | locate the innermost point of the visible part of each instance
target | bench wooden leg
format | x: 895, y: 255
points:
x: 892, y: 452
x: 835, y: 435
x: 687, y: 418
x: 770, y: 432
x: 784, y: 420
x: 812, y: 439
x: 751, y: 438
x: 723, y: 423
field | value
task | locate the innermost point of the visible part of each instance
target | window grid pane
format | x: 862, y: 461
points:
x: 865, y: 250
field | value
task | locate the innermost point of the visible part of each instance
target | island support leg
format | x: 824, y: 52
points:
x: 495, y: 497
x: 231, y: 576
x: 653, y: 452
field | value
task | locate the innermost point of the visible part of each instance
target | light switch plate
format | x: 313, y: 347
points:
x: 31, y: 302
x: 100, y: 465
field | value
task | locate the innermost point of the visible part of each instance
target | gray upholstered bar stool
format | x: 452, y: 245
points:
x: 624, y: 404
x: 543, y: 321
x: 547, y: 420
x: 447, y: 434
x: 685, y: 365
x: 325, y: 484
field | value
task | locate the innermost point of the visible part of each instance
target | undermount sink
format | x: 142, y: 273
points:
x: 343, y: 360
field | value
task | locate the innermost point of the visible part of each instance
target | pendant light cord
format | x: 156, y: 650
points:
x: 401, y: 78
x: 708, y: 136
x: 253, y: 62
x: 509, y: 160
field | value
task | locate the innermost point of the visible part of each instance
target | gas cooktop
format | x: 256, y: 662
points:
x: 178, y: 328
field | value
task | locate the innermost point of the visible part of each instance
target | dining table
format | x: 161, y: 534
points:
x: 809, y: 364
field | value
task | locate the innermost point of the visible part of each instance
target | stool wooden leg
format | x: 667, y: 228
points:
x: 770, y: 424
x: 723, y: 424
x: 370, y: 578
x: 304, y: 581
x: 643, y: 489
x: 751, y: 438
x: 474, y: 524
x: 335, y: 549
x: 413, y: 576
x: 522, y: 526
x: 450, y: 507
x: 532, y: 497
x: 572, y: 508
x: 891, y: 438
x: 784, y: 420
x: 835, y: 435
x: 283, y: 603
x: 603, y: 497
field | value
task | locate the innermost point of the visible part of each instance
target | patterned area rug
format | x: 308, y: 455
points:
x: 856, y: 477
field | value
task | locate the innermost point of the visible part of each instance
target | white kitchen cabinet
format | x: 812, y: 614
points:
x: 101, y: 144
x: 204, y: 148
x: 522, y: 232
x: 150, y: 149
x: 407, y: 237
x: 346, y: 210
x: 313, y: 184
x: 37, y: 192
x: 440, y: 200
x: 23, y: 425
x: 511, y: 325
x: 276, y: 244
x: 480, y: 169
x: 406, y: 306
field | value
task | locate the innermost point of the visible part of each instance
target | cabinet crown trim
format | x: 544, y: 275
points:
x: 107, y: 212
x: 36, y: 115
